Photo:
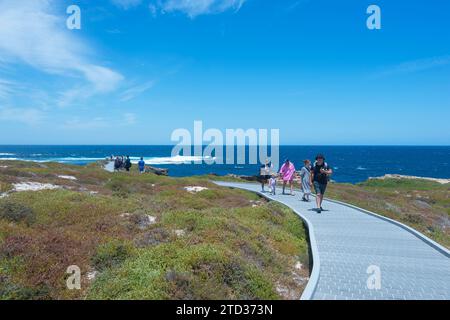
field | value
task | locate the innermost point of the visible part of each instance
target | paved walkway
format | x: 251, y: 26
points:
x: 345, y: 241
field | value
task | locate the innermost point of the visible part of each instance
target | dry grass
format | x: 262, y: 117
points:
x: 211, y: 245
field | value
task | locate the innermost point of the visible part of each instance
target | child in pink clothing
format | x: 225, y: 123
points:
x: 287, y: 172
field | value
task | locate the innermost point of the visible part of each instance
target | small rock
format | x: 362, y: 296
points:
x: 34, y: 186
x: 145, y: 220
x: 282, y: 291
x: 195, y: 189
x: 299, y: 280
x: 92, y: 275
x: 67, y: 177
x: 422, y: 204
x: 125, y: 215
x: 298, y: 265
x: 180, y: 233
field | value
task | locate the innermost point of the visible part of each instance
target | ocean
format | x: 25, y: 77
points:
x: 351, y: 163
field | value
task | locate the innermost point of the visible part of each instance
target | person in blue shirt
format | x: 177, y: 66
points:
x: 141, y: 165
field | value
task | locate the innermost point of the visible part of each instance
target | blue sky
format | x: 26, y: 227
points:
x: 138, y: 69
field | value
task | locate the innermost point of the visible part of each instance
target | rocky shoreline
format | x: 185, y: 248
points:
x: 399, y: 176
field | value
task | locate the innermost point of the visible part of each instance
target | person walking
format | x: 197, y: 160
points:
x: 273, y: 184
x: 117, y: 164
x: 264, y: 173
x: 305, y: 175
x: 141, y: 165
x: 287, y: 172
x: 320, y: 175
x: 127, y: 163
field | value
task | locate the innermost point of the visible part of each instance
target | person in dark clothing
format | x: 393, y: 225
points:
x: 128, y: 163
x: 320, y: 174
x: 117, y: 164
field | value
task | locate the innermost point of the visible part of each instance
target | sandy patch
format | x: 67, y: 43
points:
x: 195, y: 189
x: 33, y: 186
x: 67, y: 177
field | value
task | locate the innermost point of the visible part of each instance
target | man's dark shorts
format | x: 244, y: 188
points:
x: 320, y: 187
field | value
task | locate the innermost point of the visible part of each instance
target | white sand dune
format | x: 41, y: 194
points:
x: 67, y: 177
x: 33, y: 186
x: 195, y: 189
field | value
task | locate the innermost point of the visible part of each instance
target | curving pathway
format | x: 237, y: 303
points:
x: 346, y: 241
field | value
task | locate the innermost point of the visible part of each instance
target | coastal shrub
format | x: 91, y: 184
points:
x: 16, y: 212
x: 5, y: 187
x: 11, y: 291
x: 111, y: 254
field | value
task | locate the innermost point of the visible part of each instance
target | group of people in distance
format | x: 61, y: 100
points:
x: 122, y: 162
x: 317, y: 175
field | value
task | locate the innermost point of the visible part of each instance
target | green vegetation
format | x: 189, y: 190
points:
x: 421, y: 204
x: 144, y: 237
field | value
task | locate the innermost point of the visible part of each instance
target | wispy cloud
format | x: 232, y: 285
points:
x: 294, y: 5
x: 194, y: 8
x: 77, y: 123
x: 85, y: 124
x: 414, y: 66
x: 6, y: 88
x: 130, y: 119
x: 29, y: 116
x: 191, y: 8
x: 31, y: 34
x: 126, y: 4
x: 135, y: 91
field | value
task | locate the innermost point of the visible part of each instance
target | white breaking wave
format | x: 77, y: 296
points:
x: 171, y: 160
x: 134, y: 160
x: 6, y: 154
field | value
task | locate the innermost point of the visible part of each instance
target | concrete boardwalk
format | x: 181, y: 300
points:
x: 345, y: 241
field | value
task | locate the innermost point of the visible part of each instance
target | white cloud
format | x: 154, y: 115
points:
x: 78, y: 124
x: 191, y: 8
x: 6, y: 88
x: 126, y: 4
x: 130, y: 118
x: 194, y: 8
x: 32, y: 34
x: 133, y: 92
x: 28, y: 116
x: 415, y: 66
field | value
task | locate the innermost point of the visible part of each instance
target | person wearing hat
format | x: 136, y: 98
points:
x: 320, y: 174
x: 264, y: 173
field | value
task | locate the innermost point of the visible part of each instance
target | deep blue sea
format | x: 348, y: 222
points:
x: 351, y: 163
